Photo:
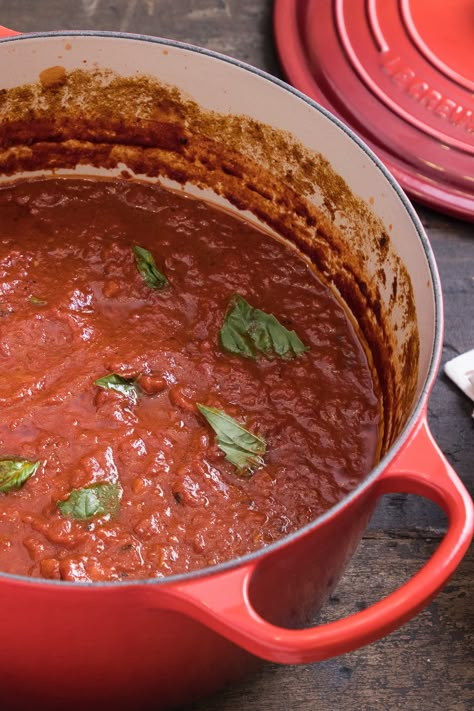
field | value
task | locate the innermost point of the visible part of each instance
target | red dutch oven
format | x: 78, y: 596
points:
x: 160, y: 643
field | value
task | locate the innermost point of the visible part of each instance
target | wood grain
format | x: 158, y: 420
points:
x: 427, y: 665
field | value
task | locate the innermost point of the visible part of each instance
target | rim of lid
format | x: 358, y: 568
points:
x: 401, y: 74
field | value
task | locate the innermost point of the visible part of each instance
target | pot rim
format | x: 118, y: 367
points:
x: 418, y: 409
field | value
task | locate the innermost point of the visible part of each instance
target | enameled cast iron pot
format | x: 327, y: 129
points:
x: 159, y: 643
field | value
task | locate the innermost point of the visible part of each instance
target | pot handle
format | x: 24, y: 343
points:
x: 5, y: 32
x: 222, y: 602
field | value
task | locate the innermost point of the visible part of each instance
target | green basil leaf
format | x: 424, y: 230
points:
x: 148, y: 269
x: 112, y: 381
x: 242, y: 448
x: 37, y: 301
x: 15, y: 472
x: 99, y: 499
x: 247, y: 330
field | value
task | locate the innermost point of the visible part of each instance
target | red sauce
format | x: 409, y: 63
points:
x: 74, y: 308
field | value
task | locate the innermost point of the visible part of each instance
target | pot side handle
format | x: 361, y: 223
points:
x: 5, y: 32
x: 222, y: 602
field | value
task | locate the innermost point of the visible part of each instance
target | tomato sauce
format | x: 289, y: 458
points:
x: 74, y: 308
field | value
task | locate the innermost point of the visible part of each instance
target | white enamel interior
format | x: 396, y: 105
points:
x: 227, y: 87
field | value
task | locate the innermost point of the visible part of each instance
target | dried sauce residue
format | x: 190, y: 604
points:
x: 53, y: 77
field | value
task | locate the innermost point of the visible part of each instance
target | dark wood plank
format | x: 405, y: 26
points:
x: 229, y: 26
x: 427, y: 665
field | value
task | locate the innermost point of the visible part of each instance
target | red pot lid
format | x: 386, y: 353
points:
x: 401, y: 74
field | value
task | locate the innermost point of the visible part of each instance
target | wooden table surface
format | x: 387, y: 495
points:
x: 427, y: 664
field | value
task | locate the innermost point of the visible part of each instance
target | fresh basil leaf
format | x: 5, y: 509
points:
x: 147, y: 267
x: 15, y: 472
x: 125, y: 386
x: 99, y: 499
x: 242, y: 448
x: 37, y: 301
x: 247, y: 330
